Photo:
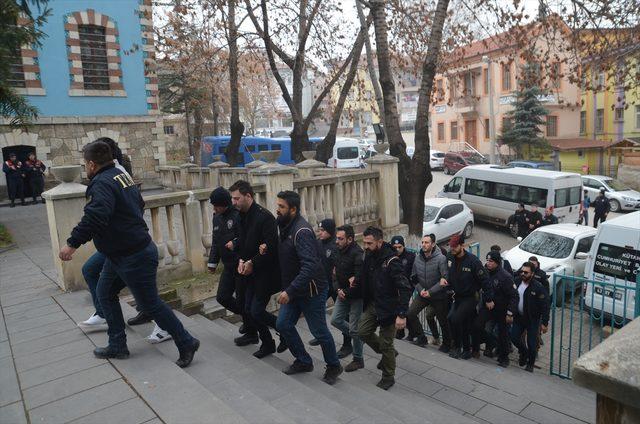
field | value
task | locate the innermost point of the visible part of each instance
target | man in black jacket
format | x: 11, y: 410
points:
x: 465, y: 278
x: 258, y: 270
x: 534, y: 218
x: 327, y: 242
x: 601, y: 208
x: 505, y: 263
x: 532, y: 314
x: 224, y: 238
x: 348, y: 307
x: 14, y: 173
x: 304, y: 289
x: 549, y: 218
x: 520, y: 221
x: 406, y: 258
x: 385, y: 290
x: 35, y: 175
x: 113, y: 218
x: 505, y: 298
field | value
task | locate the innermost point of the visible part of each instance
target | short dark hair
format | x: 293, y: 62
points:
x: 373, y: 231
x: 348, y: 231
x: 116, y: 153
x: 291, y: 197
x: 495, y: 248
x: 98, y: 152
x: 533, y: 259
x: 431, y: 236
x: 528, y: 265
x: 243, y: 187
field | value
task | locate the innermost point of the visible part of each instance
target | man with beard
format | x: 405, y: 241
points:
x: 407, y: 258
x: 257, y: 267
x: 305, y: 289
x: 385, y: 290
x: 549, y: 218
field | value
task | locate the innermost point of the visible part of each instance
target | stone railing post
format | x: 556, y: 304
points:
x: 214, y: 172
x: 307, y: 166
x: 185, y: 176
x: 338, y: 203
x: 191, y: 216
x: 388, y: 200
x: 65, y: 204
x: 275, y: 176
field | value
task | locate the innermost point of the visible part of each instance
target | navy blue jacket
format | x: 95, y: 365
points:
x: 505, y: 294
x: 328, y: 250
x: 225, y: 229
x: 13, y: 170
x: 535, y: 304
x: 601, y: 205
x: 467, y: 276
x: 407, y: 259
x: 348, y: 262
x: 113, y: 216
x: 300, y: 260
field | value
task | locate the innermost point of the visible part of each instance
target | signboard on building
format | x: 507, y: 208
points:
x: 440, y: 108
x: 507, y: 100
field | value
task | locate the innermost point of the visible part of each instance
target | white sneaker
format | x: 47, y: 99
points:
x: 158, y: 335
x: 95, y: 322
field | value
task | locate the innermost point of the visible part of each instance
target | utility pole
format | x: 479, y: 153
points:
x: 492, y: 118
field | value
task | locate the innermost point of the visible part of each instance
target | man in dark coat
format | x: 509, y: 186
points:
x: 406, y: 258
x: 520, y: 221
x: 258, y: 268
x: 534, y: 218
x: 505, y: 263
x: 35, y: 174
x: 304, y: 289
x: 385, y: 290
x: 601, y: 208
x: 532, y: 314
x: 549, y: 218
x: 14, y: 173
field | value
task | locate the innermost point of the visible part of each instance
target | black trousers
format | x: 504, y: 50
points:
x: 36, y: 182
x: 15, y: 187
x: 596, y: 218
x: 483, y: 331
x: 461, y: 316
x: 256, y: 311
x: 228, y: 285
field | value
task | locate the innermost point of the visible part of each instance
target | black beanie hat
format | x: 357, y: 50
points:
x: 495, y: 256
x: 220, y: 197
x: 397, y: 240
x: 329, y: 225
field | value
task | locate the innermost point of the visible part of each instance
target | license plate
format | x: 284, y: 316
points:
x: 609, y: 293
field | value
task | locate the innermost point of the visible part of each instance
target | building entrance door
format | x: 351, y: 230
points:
x: 471, y: 133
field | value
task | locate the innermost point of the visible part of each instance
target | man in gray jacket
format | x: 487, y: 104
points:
x: 429, y: 269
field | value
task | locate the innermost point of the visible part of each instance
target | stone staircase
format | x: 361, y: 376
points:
x: 226, y: 384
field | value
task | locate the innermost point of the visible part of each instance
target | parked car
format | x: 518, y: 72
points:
x: 446, y: 217
x: 548, y: 166
x: 620, y: 196
x: 455, y: 161
x: 436, y: 159
x: 560, y: 248
x: 346, y: 154
x: 614, y: 262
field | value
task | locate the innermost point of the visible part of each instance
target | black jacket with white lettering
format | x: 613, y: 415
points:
x: 225, y: 229
x: 467, y: 276
x: 535, y: 303
x: 113, y: 216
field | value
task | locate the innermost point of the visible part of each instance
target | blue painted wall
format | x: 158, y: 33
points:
x: 54, y: 66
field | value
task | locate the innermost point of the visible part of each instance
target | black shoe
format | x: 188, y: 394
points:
x: 529, y: 368
x: 331, y: 374
x: 314, y: 342
x: 400, y: 334
x: 141, y: 318
x: 282, y: 345
x: 444, y: 348
x: 266, y: 349
x: 297, y: 367
x: 410, y: 337
x: 186, y: 355
x: 421, y: 341
x: 455, y: 353
x: 522, y: 360
x: 503, y: 362
x: 35, y: 202
x: 386, y: 383
x: 379, y: 366
x: 488, y: 353
x: 354, y: 365
x: 246, y: 340
x: 243, y: 329
x: 466, y: 354
x: 345, y: 350
x: 111, y: 353
x: 12, y: 205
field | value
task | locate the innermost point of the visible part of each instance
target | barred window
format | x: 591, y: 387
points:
x: 16, y: 70
x: 93, y: 51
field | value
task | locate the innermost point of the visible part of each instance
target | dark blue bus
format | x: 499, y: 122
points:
x: 215, y: 145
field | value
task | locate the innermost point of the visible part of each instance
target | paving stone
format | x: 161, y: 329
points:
x: 459, y: 400
x: 13, y: 414
x: 544, y: 415
x: 27, y: 306
x: 302, y: 412
x: 48, y: 342
x: 83, y: 403
x: 17, y: 300
x: 500, y: 398
x: 52, y: 371
x: 38, y: 311
x: 24, y: 363
x: 43, y: 331
x: 449, y: 379
x: 420, y: 384
x: 28, y: 324
x: 132, y: 411
x: 69, y: 385
x: 493, y: 414
x: 5, y: 349
x: 412, y: 365
x: 9, y: 388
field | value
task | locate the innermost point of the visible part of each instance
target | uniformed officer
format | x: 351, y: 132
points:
x: 113, y: 218
x: 534, y: 218
x: 35, y: 174
x: 520, y: 220
x: 601, y: 208
x: 549, y: 218
x: 15, y: 178
x: 406, y: 258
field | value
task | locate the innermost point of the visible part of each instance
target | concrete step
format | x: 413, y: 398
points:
x: 212, y: 309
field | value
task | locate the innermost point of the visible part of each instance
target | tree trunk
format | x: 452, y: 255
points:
x: 188, y: 119
x: 299, y: 141
x: 197, y: 133
x: 214, y: 111
x: 237, y: 128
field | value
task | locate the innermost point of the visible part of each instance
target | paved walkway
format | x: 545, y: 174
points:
x: 48, y: 373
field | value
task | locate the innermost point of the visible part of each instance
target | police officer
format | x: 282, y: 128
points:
x: 35, y: 174
x: 549, y: 218
x: 466, y: 276
x: 113, y: 218
x: 304, y: 289
x: 505, y: 263
x: 601, y: 208
x: 224, y: 239
x: 532, y: 314
x: 406, y: 258
x: 15, y: 178
x: 519, y: 219
x: 505, y: 298
x: 533, y: 218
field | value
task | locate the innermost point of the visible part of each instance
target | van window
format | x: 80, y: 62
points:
x: 263, y: 147
x: 529, y: 195
x: 507, y: 192
x: 276, y: 147
x: 567, y: 197
x: 477, y: 187
x: 454, y: 185
x: 250, y: 148
x: 348, y: 152
x: 617, y: 261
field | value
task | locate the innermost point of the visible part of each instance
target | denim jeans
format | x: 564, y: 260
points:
x: 351, y: 308
x: 530, y: 350
x: 315, y: 313
x: 91, y: 272
x: 138, y: 272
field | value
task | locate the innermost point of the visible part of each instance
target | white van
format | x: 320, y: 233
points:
x: 614, y: 258
x: 346, y: 154
x: 493, y: 192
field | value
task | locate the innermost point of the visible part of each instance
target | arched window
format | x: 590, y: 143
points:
x: 93, y: 53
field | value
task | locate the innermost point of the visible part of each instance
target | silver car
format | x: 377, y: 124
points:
x: 621, y: 197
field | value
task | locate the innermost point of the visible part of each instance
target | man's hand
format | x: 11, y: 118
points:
x: 444, y: 282
x: 262, y: 249
x: 247, y: 268
x: 66, y: 253
x: 425, y: 294
x: 283, y: 299
x: 341, y: 294
x: 212, y: 269
x: 352, y: 282
x: 401, y: 323
x: 229, y: 245
x: 240, y: 267
x: 490, y: 305
x: 531, y: 226
x: 544, y: 328
x: 509, y: 319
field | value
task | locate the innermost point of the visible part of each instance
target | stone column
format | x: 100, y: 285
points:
x: 307, y: 166
x: 388, y: 193
x: 193, y: 231
x: 276, y: 177
x: 214, y: 172
x: 185, y: 176
x: 65, y: 205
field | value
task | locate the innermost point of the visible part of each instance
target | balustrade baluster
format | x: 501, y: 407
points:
x: 173, y: 245
x: 206, y: 228
x: 156, y: 232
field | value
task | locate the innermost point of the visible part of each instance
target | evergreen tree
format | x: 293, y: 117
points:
x: 522, y: 131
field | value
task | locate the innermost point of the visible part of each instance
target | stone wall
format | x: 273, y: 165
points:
x: 630, y: 175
